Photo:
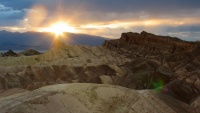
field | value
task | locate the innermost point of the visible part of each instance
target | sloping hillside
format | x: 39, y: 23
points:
x: 91, y: 98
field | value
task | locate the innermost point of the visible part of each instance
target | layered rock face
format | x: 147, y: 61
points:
x: 178, y: 59
x: 33, y: 77
x: 150, y: 42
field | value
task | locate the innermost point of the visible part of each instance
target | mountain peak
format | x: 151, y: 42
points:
x: 144, y: 32
x: 9, y: 53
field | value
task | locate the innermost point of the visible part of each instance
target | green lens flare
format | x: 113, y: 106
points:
x: 158, y: 85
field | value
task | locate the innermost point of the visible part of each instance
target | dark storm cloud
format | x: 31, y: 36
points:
x: 108, y: 10
x: 12, y: 12
x: 108, y: 5
x: 125, y: 5
x: 183, y: 28
x: 138, y: 5
x: 10, y: 16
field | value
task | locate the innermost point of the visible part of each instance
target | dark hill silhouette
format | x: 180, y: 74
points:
x: 43, y: 41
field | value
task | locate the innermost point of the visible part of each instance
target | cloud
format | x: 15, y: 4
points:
x: 110, y: 18
x: 3, y: 8
x: 10, y: 16
x: 18, y: 4
x: 111, y: 10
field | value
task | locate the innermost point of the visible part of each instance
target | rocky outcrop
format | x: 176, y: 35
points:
x: 33, y: 77
x: 29, y: 52
x: 139, y: 74
x: 91, y: 98
x: 182, y: 90
x: 9, y: 53
x: 150, y: 42
x: 176, y: 59
x: 196, y: 104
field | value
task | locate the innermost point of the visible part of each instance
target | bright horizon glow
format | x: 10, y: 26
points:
x: 59, y: 28
x: 112, y: 29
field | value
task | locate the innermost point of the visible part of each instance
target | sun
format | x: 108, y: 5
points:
x: 59, y: 28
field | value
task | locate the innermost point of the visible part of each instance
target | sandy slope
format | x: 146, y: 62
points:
x: 91, y: 98
x: 62, y: 54
x: 68, y: 55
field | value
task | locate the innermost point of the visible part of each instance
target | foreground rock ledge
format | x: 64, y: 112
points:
x: 91, y: 98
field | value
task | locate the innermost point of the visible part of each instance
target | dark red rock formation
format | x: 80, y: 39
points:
x: 150, y: 42
x: 177, y: 63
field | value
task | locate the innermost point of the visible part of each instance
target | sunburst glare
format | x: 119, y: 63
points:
x: 59, y: 28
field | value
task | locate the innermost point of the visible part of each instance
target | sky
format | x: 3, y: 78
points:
x: 107, y: 18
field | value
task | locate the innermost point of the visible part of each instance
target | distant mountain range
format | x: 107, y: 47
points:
x: 43, y: 40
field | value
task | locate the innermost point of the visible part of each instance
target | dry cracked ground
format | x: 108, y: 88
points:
x: 138, y: 73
